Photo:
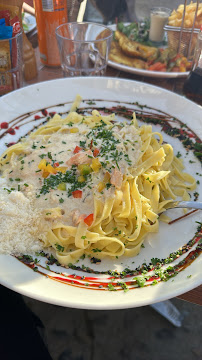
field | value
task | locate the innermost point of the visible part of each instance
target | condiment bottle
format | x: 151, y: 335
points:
x: 158, y: 19
x: 193, y: 85
x: 30, y: 67
x: 49, y: 15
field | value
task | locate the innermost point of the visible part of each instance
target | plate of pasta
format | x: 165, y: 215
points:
x: 88, y: 168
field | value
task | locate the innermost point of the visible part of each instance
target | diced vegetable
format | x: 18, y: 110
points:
x: 96, y: 165
x: 106, y: 177
x: 77, y: 149
x: 96, y: 152
x: 77, y: 194
x: 158, y: 66
x: 74, y: 130
x: 84, y: 169
x: 62, y: 186
x: 56, y: 164
x: 81, y: 179
x: 89, y: 219
x: 101, y: 186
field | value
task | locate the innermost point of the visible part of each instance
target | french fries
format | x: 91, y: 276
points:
x: 175, y: 19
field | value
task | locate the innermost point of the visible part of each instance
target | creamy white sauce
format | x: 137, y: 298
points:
x: 23, y: 174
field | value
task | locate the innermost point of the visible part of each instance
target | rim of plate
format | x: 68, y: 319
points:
x: 101, y: 78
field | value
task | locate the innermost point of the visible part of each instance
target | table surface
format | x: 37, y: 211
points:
x: 175, y: 85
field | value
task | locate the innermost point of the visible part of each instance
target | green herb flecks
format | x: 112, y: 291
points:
x: 59, y: 247
x: 70, y: 177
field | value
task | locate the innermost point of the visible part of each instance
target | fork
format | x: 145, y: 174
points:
x: 184, y: 204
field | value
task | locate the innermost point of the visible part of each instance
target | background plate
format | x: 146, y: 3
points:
x: 155, y: 74
x: 108, y: 91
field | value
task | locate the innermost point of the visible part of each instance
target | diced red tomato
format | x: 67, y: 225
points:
x: 96, y: 152
x: 158, y: 66
x: 77, y: 194
x: 91, y: 144
x: 89, y: 219
x: 77, y: 149
x: 56, y: 164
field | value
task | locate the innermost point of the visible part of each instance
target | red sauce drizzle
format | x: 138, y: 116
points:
x: 4, y: 125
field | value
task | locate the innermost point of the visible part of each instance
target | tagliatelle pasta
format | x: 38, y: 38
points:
x: 98, y: 185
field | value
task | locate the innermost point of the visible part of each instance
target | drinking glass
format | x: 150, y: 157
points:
x: 84, y: 48
x: 11, y: 63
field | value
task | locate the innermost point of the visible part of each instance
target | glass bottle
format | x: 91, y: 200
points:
x: 193, y: 84
x: 49, y: 15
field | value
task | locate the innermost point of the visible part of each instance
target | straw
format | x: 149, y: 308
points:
x: 81, y: 11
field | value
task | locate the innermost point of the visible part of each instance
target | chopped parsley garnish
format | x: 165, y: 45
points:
x: 108, y: 185
x: 70, y: 177
x: 178, y: 155
x: 42, y: 156
x: 124, y: 286
x: 82, y: 144
x: 96, y: 250
x: 140, y: 280
x: 34, y: 146
x: 111, y: 287
x: 59, y: 247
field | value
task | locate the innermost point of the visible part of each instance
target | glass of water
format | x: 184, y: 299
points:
x: 84, y: 48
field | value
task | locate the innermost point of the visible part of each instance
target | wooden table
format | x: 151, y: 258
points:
x: 176, y: 85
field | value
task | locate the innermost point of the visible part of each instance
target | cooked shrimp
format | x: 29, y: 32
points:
x: 83, y: 157
x: 77, y: 217
x: 116, y: 178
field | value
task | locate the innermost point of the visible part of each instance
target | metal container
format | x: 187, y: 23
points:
x: 182, y: 40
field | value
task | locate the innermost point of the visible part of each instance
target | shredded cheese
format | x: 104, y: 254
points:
x: 20, y: 224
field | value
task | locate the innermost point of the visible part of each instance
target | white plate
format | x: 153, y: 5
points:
x: 132, y: 70
x: 30, y: 21
x: 108, y: 92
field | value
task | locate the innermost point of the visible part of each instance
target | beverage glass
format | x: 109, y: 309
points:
x: 84, y: 48
x: 158, y: 19
x: 11, y: 63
